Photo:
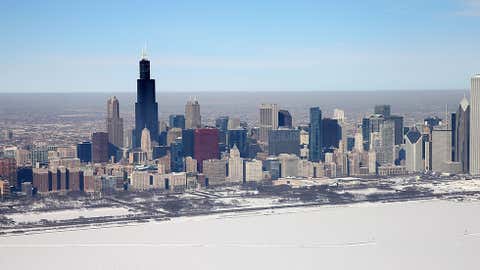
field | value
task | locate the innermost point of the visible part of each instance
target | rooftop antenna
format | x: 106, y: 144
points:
x: 144, y: 51
x: 446, y: 115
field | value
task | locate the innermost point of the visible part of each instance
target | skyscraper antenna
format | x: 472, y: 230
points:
x: 144, y: 51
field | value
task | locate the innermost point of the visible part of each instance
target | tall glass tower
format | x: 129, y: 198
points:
x: 146, y: 107
x: 315, y: 136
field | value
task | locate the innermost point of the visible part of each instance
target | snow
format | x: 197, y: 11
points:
x: 68, y: 214
x: 436, y: 234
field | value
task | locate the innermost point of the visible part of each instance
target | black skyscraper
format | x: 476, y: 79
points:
x: 315, y: 135
x: 146, y: 107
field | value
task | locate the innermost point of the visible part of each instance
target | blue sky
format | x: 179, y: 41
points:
x: 245, y: 45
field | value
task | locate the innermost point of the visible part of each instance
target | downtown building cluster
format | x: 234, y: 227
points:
x: 187, y: 154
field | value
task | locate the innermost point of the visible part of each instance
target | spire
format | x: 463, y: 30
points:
x: 464, y: 103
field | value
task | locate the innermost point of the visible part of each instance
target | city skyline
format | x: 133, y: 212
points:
x: 268, y: 46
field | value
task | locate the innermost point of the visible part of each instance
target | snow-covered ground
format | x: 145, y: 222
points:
x: 68, y: 214
x: 436, y: 234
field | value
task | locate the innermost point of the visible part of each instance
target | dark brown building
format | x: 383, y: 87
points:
x: 100, y: 147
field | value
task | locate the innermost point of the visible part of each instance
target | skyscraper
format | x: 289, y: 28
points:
x: 284, y: 141
x: 331, y: 133
x: 176, y: 156
x: 205, y: 145
x: 188, y: 142
x: 84, y: 152
x: 146, y: 107
x: 146, y: 143
x: 475, y: 125
x: 238, y: 138
x: 284, y: 119
x: 193, y: 118
x: 100, y: 147
x: 114, y: 123
x: 177, y: 121
x: 315, y: 135
x: 382, y: 109
x: 235, y: 166
x: 462, y: 134
x: 268, y: 120
x: 414, y: 145
x: 441, y: 152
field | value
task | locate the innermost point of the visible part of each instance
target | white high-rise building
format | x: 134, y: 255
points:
x: 413, y: 145
x: 475, y: 126
x: 146, y: 143
x: 441, y: 148
x: 289, y: 165
x: 358, y: 142
x: 268, y: 120
x: 253, y: 170
x: 235, y: 166
x: 339, y: 115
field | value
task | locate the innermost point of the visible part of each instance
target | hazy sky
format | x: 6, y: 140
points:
x: 239, y: 45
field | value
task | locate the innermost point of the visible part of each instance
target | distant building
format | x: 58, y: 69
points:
x: 146, y: 107
x: 284, y: 141
x: 284, y: 119
x: 234, y: 123
x: 188, y: 141
x: 414, y: 146
x: 315, y: 135
x: 99, y: 147
x: 176, y: 156
x: 475, y: 126
x: 205, y: 145
x: 288, y: 165
x: 114, y: 123
x: 462, y: 135
x: 191, y: 165
x: 235, y: 166
x: 221, y: 123
x: 238, y: 137
x: 382, y: 109
x: 253, y: 171
x: 331, y: 133
x: 441, y: 148
x: 8, y: 170
x: 215, y: 171
x: 268, y: 120
x: 146, y: 144
x: 272, y: 165
x: 177, y: 121
x: 173, y: 134
x: 84, y: 152
x: 193, y: 118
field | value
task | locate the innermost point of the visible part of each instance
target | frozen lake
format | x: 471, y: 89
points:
x: 408, y: 235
